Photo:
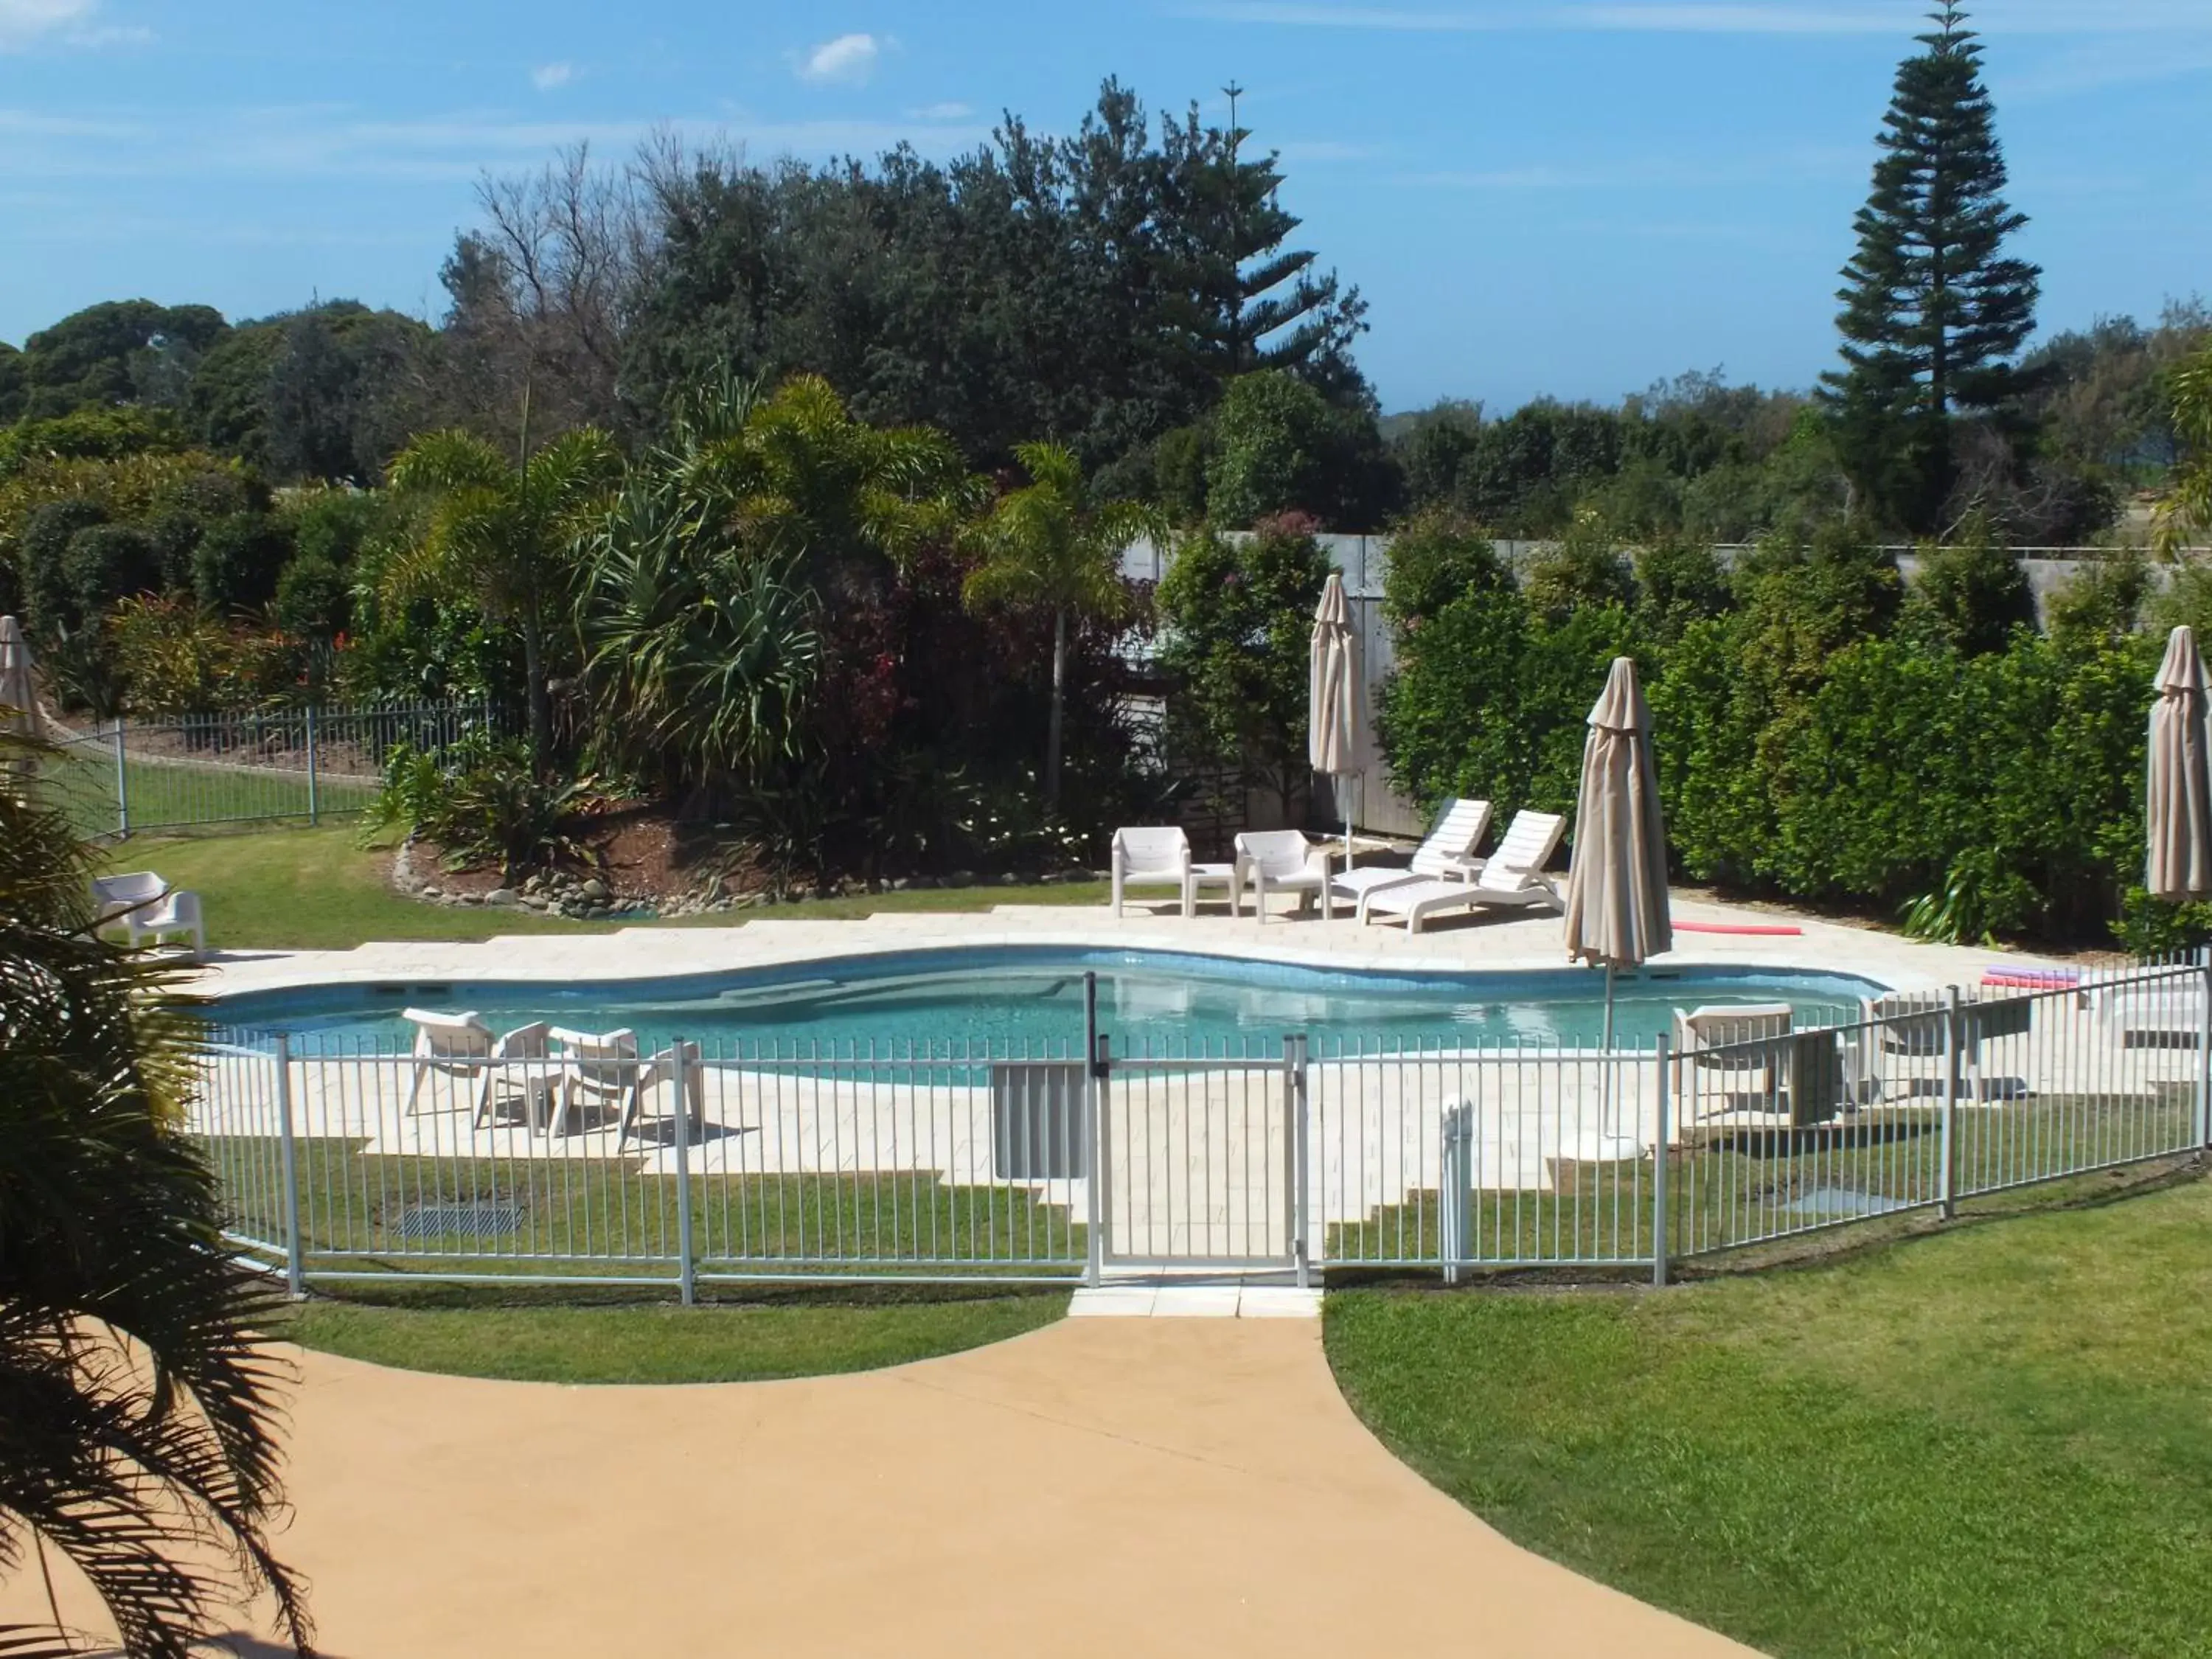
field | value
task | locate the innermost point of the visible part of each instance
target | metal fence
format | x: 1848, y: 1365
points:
x: 550, y: 1162
x: 189, y: 770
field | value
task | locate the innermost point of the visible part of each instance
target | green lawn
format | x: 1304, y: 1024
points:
x: 171, y: 793
x: 299, y: 889
x: 1995, y: 1440
x: 709, y: 1343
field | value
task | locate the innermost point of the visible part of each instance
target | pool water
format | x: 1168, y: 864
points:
x: 1033, y: 998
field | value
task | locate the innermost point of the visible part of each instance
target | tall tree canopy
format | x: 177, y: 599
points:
x: 1934, y: 309
x: 120, y: 351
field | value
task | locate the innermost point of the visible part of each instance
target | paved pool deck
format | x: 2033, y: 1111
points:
x: 1107, y: 1487
x: 1506, y: 940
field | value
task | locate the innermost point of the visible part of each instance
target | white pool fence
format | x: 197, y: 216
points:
x: 752, y: 1160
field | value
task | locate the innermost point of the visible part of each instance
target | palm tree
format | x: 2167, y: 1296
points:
x: 137, y: 1402
x: 506, y: 537
x: 2187, y: 507
x: 1047, y: 546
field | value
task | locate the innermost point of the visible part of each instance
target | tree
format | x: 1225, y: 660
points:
x: 504, y: 536
x: 1236, y: 614
x: 138, y: 1404
x: 1048, y: 547
x: 1934, y: 310
x: 115, y: 353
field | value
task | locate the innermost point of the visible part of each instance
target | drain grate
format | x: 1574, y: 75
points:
x: 481, y: 1219
x: 1842, y: 1200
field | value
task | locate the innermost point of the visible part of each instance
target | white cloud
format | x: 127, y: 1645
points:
x: 948, y: 112
x: 550, y: 77
x: 849, y: 59
x: 67, y: 22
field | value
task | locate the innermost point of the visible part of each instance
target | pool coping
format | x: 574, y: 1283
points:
x: 1518, y: 945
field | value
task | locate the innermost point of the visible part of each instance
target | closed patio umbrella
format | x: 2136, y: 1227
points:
x: 1333, y: 697
x: 1617, y: 878
x: 21, y: 710
x: 2177, y: 809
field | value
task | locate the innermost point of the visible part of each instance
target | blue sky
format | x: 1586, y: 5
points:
x: 1574, y: 196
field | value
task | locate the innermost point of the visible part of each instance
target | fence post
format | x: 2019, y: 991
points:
x: 1094, y: 1144
x: 1954, y: 1022
x: 687, y: 1269
x: 1455, y: 1202
x: 2204, y: 1046
x: 314, y: 814
x: 122, y: 787
x: 295, y: 1269
x: 1661, y: 1220
x: 1301, y: 1100
x: 1102, y: 1171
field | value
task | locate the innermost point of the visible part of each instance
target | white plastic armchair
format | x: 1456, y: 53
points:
x: 606, y: 1065
x: 1153, y: 856
x: 462, y: 1046
x: 1282, y: 861
x: 146, y: 907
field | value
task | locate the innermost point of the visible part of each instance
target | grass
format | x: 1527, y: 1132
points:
x: 161, y: 794
x: 792, y: 1337
x: 1993, y: 1440
x: 316, y: 889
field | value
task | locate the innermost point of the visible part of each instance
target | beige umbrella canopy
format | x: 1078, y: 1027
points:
x: 2178, y: 809
x: 1333, y: 695
x: 19, y: 707
x: 1617, y: 878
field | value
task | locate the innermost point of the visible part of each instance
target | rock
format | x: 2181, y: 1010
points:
x: 502, y: 895
x: 959, y: 879
x: 472, y: 898
x: 538, y: 900
x: 595, y: 889
x: 433, y: 892
x: 899, y: 883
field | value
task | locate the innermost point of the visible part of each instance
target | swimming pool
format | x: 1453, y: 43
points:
x: 1010, y: 997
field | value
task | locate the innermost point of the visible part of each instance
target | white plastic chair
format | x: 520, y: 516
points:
x: 462, y: 1046
x: 148, y: 908
x: 606, y: 1066
x: 1445, y: 853
x: 1706, y: 1038
x: 1512, y: 877
x: 1284, y: 861
x: 1153, y: 856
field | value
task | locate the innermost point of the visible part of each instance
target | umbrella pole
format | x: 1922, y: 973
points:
x: 1605, y: 1075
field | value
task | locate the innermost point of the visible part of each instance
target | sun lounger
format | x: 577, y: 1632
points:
x: 1512, y: 877
x: 148, y: 908
x: 1446, y: 853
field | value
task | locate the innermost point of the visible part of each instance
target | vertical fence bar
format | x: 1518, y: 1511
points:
x: 1660, y: 1231
x: 1301, y: 1241
x: 122, y: 787
x: 687, y: 1271
x: 1954, y: 1024
x: 1456, y: 1187
x: 295, y: 1269
x: 1094, y: 1239
x: 314, y: 812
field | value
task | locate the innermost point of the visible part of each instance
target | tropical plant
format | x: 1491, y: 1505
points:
x: 138, y: 1405
x: 1047, y: 546
x: 483, y: 802
x: 503, y: 537
x: 2187, y: 507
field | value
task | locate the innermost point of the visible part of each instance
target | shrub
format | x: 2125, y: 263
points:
x: 107, y: 563
x: 48, y: 593
x: 1582, y: 567
x: 1971, y: 593
x: 313, y: 598
x: 483, y: 802
x: 238, y: 560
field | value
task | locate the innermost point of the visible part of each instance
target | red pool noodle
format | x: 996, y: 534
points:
x: 1731, y: 928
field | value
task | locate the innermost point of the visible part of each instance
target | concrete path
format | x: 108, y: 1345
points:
x: 1104, y: 1486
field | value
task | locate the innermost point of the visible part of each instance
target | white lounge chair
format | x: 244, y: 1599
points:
x: 148, y: 908
x: 1281, y: 861
x: 1446, y: 852
x: 606, y: 1066
x: 462, y: 1046
x: 1708, y: 1039
x: 1512, y: 877
x: 1159, y: 856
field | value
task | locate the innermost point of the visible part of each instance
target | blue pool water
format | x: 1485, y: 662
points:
x: 1034, y: 996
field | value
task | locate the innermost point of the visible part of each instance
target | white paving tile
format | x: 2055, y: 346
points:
x: 1112, y: 1302
x: 1196, y: 1302
x: 1278, y: 1301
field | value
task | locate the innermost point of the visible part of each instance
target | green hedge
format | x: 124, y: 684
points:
x: 1816, y: 740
